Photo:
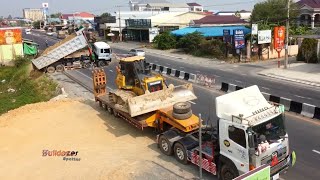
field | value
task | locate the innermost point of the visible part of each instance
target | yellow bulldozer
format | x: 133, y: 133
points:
x: 140, y: 91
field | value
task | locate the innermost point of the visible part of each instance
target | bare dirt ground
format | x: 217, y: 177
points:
x: 108, y: 148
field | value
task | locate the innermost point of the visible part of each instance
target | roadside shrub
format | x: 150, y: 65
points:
x: 164, y: 41
x: 308, y: 51
x: 19, y: 61
x: 191, y: 42
x: 215, y: 48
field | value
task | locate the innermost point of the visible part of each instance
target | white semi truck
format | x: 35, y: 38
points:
x: 250, y: 132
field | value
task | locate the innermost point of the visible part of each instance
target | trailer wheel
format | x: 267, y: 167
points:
x: 182, y: 116
x: 100, y: 103
x: 59, y: 68
x: 180, y: 153
x: 104, y: 106
x: 51, y: 69
x: 101, y: 63
x: 228, y: 172
x: 114, y: 112
x: 181, y: 107
x: 87, y: 65
x: 164, y: 145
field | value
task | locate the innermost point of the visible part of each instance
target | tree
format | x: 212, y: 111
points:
x: 9, y: 17
x: 56, y: 15
x: 165, y: 41
x: 105, y: 15
x: 36, y: 24
x: 308, y: 51
x: 191, y: 42
x: 273, y: 12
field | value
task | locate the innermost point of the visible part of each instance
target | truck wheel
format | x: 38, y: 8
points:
x: 180, y: 153
x: 181, y: 107
x: 164, y: 145
x: 228, y: 172
x: 51, y: 69
x: 109, y: 109
x: 104, y: 106
x: 101, y: 63
x: 87, y: 65
x: 182, y: 116
x: 59, y: 68
x: 114, y: 112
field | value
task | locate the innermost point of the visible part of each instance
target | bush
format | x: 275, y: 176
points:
x: 19, y: 61
x: 308, y: 51
x: 165, y: 41
x: 191, y: 42
x: 215, y: 48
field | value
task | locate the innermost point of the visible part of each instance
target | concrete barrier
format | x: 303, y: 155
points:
x: 275, y: 99
x: 161, y: 69
x: 224, y: 87
x: 308, y: 110
x: 186, y: 76
x: 192, y: 77
x: 266, y: 96
x: 182, y: 74
x: 165, y: 70
x: 238, y: 88
x: 157, y: 68
x: 295, y: 107
x: 232, y: 88
x: 154, y: 67
x: 169, y: 71
x: 177, y: 73
x: 317, y: 113
x: 286, y: 102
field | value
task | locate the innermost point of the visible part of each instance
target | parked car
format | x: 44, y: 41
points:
x: 28, y: 31
x: 50, y: 33
x: 137, y: 52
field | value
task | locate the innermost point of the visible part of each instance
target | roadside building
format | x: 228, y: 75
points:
x: 219, y: 20
x: 33, y: 14
x: 141, y: 5
x: 243, y: 14
x: 195, y: 7
x: 10, y: 44
x: 171, y: 7
x: 77, y: 18
x: 309, y: 13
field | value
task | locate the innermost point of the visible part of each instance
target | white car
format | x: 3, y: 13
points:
x: 28, y: 31
x: 137, y: 52
x: 50, y: 33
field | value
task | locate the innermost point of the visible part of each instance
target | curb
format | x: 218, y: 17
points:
x: 173, y: 72
x: 304, y: 109
x: 292, y: 80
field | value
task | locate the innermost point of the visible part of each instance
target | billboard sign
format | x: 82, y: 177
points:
x: 254, y: 29
x: 226, y: 35
x: 264, y: 36
x: 279, y: 35
x: 239, y: 41
x: 10, y: 36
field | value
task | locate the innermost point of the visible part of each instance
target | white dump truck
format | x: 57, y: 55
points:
x: 74, y: 51
x: 250, y: 132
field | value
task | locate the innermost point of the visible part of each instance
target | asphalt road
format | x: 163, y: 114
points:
x: 243, y: 75
x: 304, y: 133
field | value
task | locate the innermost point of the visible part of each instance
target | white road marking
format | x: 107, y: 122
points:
x: 182, y: 67
x: 216, y: 75
x: 110, y: 70
x: 197, y: 71
x: 238, y: 81
x: 302, y: 97
x: 243, y: 74
x: 265, y: 88
x: 318, y: 152
x: 168, y: 64
x: 192, y: 102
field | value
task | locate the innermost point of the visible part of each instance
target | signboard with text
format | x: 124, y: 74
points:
x: 264, y: 36
x: 279, y: 35
x: 239, y: 41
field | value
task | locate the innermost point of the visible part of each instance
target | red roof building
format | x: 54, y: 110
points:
x: 214, y: 20
x: 80, y: 15
x: 309, y: 13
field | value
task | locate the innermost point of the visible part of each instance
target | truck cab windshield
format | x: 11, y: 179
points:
x: 272, y: 129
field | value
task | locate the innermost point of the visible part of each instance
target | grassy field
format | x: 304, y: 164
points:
x: 19, y: 85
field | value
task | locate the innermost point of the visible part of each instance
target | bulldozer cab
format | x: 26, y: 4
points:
x: 134, y: 74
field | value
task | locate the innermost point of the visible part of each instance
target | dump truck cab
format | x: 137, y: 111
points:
x: 102, y: 52
x: 134, y: 73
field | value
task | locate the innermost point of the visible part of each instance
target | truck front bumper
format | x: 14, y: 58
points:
x: 282, y: 166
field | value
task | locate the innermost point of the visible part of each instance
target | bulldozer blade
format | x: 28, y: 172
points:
x: 160, y: 99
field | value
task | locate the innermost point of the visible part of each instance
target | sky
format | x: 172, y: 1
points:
x: 98, y: 7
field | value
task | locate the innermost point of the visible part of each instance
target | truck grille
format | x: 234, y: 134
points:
x: 281, y: 155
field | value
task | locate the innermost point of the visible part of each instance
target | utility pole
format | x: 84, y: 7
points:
x: 287, y: 36
x: 120, y: 30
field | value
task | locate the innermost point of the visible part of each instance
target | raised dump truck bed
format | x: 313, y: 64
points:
x: 61, y: 49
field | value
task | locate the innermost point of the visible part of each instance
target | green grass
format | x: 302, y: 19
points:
x: 30, y: 87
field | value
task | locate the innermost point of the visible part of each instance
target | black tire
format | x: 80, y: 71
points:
x: 164, y: 145
x: 182, y: 116
x: 114, y: 112
x: 180, y: 153
x: 228, y: 172
x: 109, y: 109
x: 100, y: 103
x: 101, y: 63
x: 87, y: 65
x: 181, y: 107
x: 104, y: 106
x: 51, y: 69
x: 59, y: 68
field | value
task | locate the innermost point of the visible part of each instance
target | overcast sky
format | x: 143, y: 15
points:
x: 99, y: 6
